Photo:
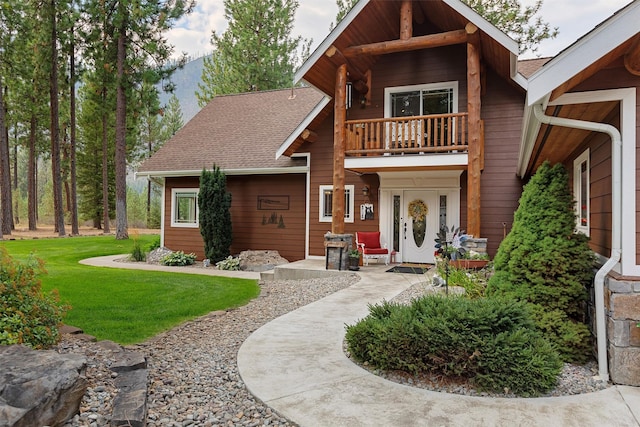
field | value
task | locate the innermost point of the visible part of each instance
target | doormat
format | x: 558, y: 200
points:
x: 410, y: 269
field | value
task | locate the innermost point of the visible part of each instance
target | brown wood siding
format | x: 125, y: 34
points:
x: 502, y: 112
x: 252, y: 228
x: 612, y: 77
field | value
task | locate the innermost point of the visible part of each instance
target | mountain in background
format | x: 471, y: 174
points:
x: 186, y: 80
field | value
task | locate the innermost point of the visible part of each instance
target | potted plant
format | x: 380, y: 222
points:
x: 354, y: 259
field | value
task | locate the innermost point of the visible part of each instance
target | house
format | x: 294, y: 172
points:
x: 425, y: 103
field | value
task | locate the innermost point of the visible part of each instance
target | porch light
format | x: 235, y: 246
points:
x: 365, y: 191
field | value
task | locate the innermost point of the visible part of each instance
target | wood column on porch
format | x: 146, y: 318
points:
x: 339, y: 131
x: 475, y: 129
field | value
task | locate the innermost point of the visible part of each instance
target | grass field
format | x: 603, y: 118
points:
x: 126, y: 306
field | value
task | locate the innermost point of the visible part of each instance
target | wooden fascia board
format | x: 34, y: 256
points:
x: 329, y: 40
x: 591, y: 47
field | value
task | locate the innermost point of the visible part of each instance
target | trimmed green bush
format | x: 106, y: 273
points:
x: 178, y: 258
x: 543, y: 261
x: 494, y: 343
x: 27, y: 315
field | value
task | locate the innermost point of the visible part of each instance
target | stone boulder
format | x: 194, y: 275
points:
x: 260, y: 260
x: 39, y: 388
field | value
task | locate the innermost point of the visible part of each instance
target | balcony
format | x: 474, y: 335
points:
x: 443, y: 133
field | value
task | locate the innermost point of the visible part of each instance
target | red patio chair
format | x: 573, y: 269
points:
x: 368, y: 243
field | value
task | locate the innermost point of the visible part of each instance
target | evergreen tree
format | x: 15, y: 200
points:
x: 256, y: 52
x: 215, y: 217
x: 521, y: 23
x: 172, y: 120
x: 545, y: 262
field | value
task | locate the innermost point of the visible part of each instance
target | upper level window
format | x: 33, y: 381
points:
x: 326, y: 203
x: 421, y: 100
x: 184, y: 207
x: 581, y: 180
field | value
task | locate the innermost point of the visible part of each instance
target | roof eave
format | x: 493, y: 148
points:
x: 302, y: 126
x: 228, y: 172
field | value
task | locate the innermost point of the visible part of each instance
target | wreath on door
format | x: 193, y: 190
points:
x: 418, y: 210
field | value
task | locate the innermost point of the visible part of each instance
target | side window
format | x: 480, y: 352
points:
x: 326, y: 203
x: 581, y: 180
x: 184, y: 207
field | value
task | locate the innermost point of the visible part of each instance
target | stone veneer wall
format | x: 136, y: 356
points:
x: 478, y: 245
x: 622, y: 304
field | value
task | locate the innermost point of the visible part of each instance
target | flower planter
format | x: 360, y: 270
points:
x: 470, y: 264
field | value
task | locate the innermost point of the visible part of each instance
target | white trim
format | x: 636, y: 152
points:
x: 328, y: 41
x: 594, y: 45
x: 174, y: 193
x: 388, y: 91
x: 162, y: 212
x: 307, y: 203
x: 302, y: 126
x: 577, y: 190
x: 460, y: 160
x: 627, y: 99
x: 228, y: 172
x: 326, y: 218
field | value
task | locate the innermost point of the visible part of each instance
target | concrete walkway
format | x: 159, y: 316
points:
x: 296, y: 365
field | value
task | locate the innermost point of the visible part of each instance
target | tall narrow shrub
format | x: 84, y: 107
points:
x: 215, y: 218
x: 546, y: 263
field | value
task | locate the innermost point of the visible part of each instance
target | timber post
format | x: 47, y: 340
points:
x: 339, y: 130
x: 475, y: 129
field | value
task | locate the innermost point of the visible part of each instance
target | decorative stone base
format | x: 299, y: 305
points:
x: 337, y: 248
x: 476, y: 245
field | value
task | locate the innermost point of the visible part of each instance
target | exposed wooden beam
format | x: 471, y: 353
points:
x: 357, y: 76
x: 475, y: 138
x: 339, y: 131
x: 309, y: 135
x: 406, y: 20
x: 632, y: 58
x: 414, y: 43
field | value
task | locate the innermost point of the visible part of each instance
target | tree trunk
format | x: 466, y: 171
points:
x: 32, y: 197
x: 72, y: 137
x: 121, y: 143
x: 5, y: 171
x: 105, y: 166
x: 55, y: 127
x: 16, y: 210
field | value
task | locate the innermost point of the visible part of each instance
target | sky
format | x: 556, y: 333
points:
x: 573, y: 18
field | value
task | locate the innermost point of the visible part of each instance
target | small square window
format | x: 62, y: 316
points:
x: 184, y: 207
x: 326, y: 203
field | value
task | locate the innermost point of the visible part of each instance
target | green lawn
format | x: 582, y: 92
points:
x: 126, y: 306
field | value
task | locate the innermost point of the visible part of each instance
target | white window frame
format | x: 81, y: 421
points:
x: 174, y: 207
x: 577, y: 191
x: 349, y: 192
x: 427, y: 86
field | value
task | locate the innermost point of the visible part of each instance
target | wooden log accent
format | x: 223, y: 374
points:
x: 339, y: 133
x: 406, y: 20
x: 357, y: 76
x: 309, y: 135
x: 475, y: 139
x: 414, y: 43
x: 632, y: 59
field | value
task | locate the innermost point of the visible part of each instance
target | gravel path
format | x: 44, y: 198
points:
x: 194, y: 378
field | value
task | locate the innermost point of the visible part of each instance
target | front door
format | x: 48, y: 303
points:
x: 419, y: 225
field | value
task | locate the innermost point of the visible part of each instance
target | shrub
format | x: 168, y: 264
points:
x: 137, y: 254
x: 27, y: 315
x: 473, y: 282
x: 155, y: 244
x: 492, y: 342
x: 178, y: 258
x: 543, y: 261
x: 214, y: 203
x: 229, y: 263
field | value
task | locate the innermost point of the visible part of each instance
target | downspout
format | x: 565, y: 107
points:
x: 616, y: 232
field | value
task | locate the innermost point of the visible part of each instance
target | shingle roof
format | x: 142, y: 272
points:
x: 527, y: 67
x: 235, y: 132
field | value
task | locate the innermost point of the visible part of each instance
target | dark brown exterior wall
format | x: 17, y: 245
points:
x: 252, y: 228
x: 600, y: 162
x: 502, y: 109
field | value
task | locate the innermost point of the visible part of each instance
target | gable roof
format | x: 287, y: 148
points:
x: 371, y: 21
x: 239, y: 133
x: 590, y: 52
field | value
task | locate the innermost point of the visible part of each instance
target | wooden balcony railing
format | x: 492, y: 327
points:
x: 407, y: 135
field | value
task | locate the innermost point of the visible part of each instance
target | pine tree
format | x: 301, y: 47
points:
x: 256, y: 52
x: 172, y: 120
x: 545, y: 262
x: 215, y: 217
